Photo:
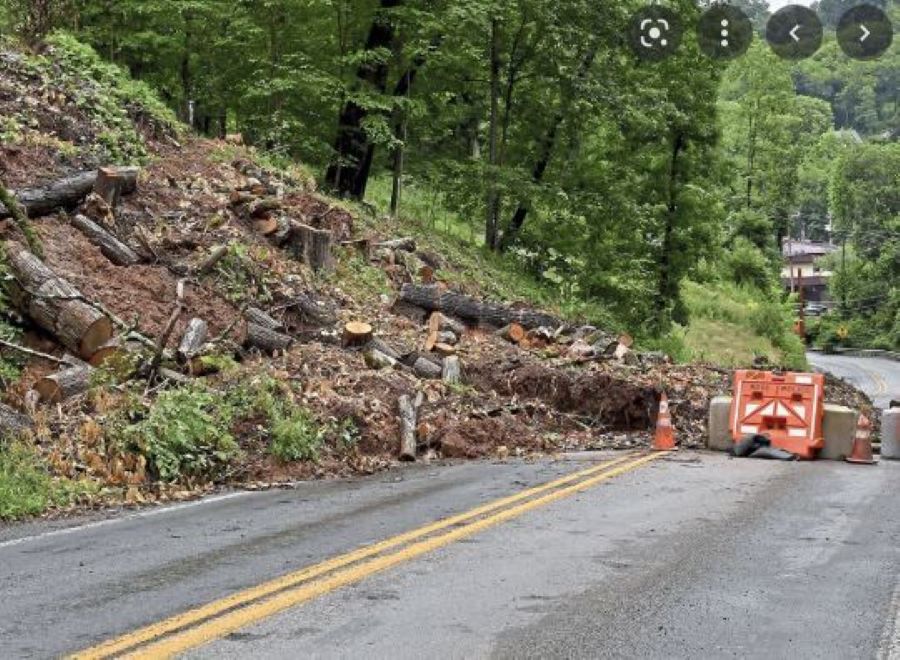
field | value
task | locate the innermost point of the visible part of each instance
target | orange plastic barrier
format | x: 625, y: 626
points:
x: 788, y: 408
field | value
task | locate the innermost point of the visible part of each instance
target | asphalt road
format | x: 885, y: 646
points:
x: 692, y: 555
x: 877, y: 377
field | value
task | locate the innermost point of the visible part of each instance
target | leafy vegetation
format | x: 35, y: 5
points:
x: 526, y: 140
x: 26, y: 488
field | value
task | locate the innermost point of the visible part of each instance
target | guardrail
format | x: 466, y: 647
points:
x: 860, y: 352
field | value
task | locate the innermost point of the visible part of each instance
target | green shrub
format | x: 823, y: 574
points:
x: 26, y: 487
x: 297, y: 436
x: 746, y: 265
x: 187, y: 433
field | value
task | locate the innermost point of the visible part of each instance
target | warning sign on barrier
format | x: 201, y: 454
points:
x: 788, y: 408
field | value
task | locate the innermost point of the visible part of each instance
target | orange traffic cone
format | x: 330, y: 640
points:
x: 862, y: 445
x: 664, y: 439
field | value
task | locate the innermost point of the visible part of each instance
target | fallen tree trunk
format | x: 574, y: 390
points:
x: 407, y: 244
x: 64, y: 384
x: 55, y: 305
x: 431, y: 298
x: 111, y: 247
x: 259, y: 317
x: 267, y: 340
x: 66, y: 193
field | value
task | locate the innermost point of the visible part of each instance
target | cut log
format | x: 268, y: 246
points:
x: 356, y: 334
x: 433, y: 299
x: 193, y: 340
x: 66, y: 193
x: 109, y: 185
x: 312, y: 246
x: 207, y: 265
x: 12, y: 423
x: 55, y: 305
x: 383, y: 347
x: 407, y: 244
x: 375, y: 359
x: 239, y: 198
x: 409, y: 411
x: 452, y: 325
x: 513, y: 333
x: 109, y: 351
x: 259, y: 317
x: 431, y: 340
x: 64, y: 384
x: 267, y: 340
x: 452, y: 372
x: 265, y: 226
x: 444, y: 349
x: 263, y: 208
x: 426, y: 274
x: 425, y: 368
x: 362, y: 246
x: 111, y: 247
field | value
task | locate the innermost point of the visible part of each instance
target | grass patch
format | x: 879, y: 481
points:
x: 473, y: 268
x: 727, y: 344
x: 731, y: 324
x: 26, y: 487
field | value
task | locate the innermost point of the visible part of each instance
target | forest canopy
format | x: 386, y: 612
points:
x: 533, y: 124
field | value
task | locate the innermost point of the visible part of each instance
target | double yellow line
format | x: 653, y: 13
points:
x: 196, y: 627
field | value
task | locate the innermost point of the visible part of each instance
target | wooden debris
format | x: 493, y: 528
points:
x: 433, y: 298
x: 267, y: 340
x: 376, y: 359
x: 356, y: 334
x: 163, y: 339
x: 55, y: 305
x: 384, y: 347
x: 444, y: 349
x: 513, y: 333
x: 207, y: 265
x: 409, y: 411
x: 426, y: 274
x: 66, y: 193
x: 261, y: 318
x: 312, y: 246
x: 64, y: 384
x: 265, y: 226
x: 406, y: 244
x: 447, y: 337
x: 451, y: 372
x: 111, y: 247
x: 425, y: 368
x: 193, y: 340
x: 109, y: 185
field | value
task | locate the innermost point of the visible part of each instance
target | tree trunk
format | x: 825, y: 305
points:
x: 312, y: 246
x: 431, y: 298
x: 111, y: 247
x: 354, y: 152
x: 492, y: 206
x: 55, y: 305
x: 547, y: 146
x: 66, y: 193
x: 267, y: 340
x: 64, y: 384
x: 667, y: 293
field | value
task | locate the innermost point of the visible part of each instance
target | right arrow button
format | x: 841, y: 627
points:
x: 865, y: 32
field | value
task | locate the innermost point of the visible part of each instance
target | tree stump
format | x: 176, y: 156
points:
x: 356, y: 334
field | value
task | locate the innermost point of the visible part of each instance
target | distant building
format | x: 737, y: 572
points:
x: 800, y: 268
